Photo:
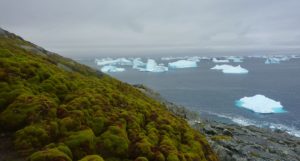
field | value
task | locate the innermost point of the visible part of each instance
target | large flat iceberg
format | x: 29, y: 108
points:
x: 110, y: 68
x: 229, y: 69
x: 260, y: 104
x: 183, y: 64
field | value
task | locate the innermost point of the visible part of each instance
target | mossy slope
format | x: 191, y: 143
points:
x: 61, y: 110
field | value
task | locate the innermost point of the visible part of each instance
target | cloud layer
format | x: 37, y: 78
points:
x: 142, y: 26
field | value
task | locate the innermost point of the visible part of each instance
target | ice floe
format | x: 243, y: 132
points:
x: 215, y: 60
x: 272, y: 61
x: 137, y: 63
x: 152, y: 66
x: 276, y: 59
x: 235, y: 59
x: 183, y: 64
x: 229, y: 69
x: 110, y: 61
x: 260, y: 104
x: 110, y: 68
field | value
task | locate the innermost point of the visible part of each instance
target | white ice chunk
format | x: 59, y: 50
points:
x: 124, y: 61
x: 272, y: 61
x: 110, y: 61
x: 215, y: 60
x: 194, y: 58
x: 152, y: 66
x: 235, y: 59
x: 276, y: 59
x: 260, y: 104
x: 183, y: 64
x: 229, y: 69
x: 110, y: 68
x: 104, y: 61
x: 137, y: 63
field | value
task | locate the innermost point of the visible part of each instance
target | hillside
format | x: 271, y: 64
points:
x: 52, y: 108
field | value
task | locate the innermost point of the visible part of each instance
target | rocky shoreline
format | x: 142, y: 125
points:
x: 232, y: 142
x: 244, y: 143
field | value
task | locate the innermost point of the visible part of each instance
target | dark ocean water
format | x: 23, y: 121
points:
x: 213, y: 93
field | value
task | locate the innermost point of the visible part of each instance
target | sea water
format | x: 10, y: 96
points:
x: 213, y: 94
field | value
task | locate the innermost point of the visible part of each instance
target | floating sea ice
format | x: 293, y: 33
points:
x: 229, y: 69
x: 110, y: 68
x: 104, y: 61
x: 260, y: 104
x: 215, y: 60
x: 123, y: 61
x: 272, y: 61
x: 110, y: 61
x: 152, y: 66
x: 194, y: 58
x: 235, y: 59
x: 183, y: 64
x: 137, y: 63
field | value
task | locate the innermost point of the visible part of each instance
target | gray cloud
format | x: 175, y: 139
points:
x: 152, y: 27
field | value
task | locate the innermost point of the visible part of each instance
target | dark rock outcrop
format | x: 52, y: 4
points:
x: 238, y: 143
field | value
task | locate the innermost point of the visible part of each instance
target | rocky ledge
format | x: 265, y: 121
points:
x: 244, y: 143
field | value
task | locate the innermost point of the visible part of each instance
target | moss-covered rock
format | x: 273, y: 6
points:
x: 49, y: 155
x: 92, y: 158
x: 81, y: 143
x: 141, y: 159
x: 113, y: 141
x: 31, y: 137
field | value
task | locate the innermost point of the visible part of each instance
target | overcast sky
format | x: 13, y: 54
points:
x: 91, y: 27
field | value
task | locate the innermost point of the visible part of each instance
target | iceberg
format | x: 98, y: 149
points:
x: 137, y: 63
x: 110, y: 61
x: 194, y: 58
x: 110, y: 68
x: 183, y: 64
x: 235, y: 59
x: 123, y: 61
x: 272, y: 61
x: 152, y: 66
x: 260, y: 104
x: 276, y: 59
x: 228, y: 69
x: 215, y: 60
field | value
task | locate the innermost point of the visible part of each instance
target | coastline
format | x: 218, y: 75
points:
x: 234, y: 142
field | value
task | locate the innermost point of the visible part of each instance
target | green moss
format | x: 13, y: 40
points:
x: 49, y: 155
x: 46, y: 99
x: 31, y: 137
x: 141, y: 159
x: 92, y: 158
x: 221, y: 137
x: 172, y: 157
x: 113, y: 141
x: 97, y: 125
x: 81, y: 143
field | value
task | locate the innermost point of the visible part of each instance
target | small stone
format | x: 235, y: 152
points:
x: 209, y: 130
x: 227, y: 132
